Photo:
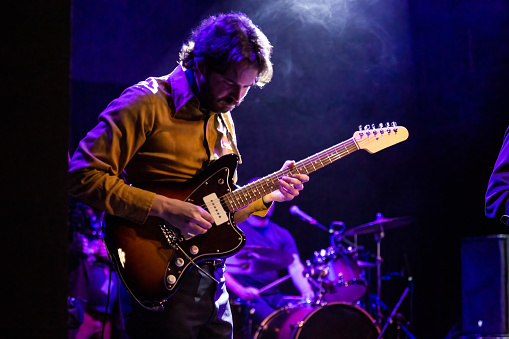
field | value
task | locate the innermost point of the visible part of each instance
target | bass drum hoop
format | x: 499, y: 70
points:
x: 304, y: 314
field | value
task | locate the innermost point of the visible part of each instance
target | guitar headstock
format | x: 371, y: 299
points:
x: 374, y: 139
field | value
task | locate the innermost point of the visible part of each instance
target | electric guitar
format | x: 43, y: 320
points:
x: 152, y: 258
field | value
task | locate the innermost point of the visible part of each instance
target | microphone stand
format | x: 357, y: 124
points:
x: 317, y: 224
x: 333, y: 235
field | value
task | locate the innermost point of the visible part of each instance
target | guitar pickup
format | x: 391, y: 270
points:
x: 215, y: 208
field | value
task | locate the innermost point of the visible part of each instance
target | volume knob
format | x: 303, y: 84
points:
x: 171, y: 279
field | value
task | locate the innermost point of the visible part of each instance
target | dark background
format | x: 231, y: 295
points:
x: 438, y: 68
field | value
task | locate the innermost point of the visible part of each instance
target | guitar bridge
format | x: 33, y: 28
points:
x: 172, y: 236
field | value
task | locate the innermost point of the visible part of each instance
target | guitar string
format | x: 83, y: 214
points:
x: 332, y: 154
x: 234, y: 200
x: 268, y: 183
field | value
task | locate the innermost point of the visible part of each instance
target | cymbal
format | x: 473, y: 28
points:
x: 257, y: 259
x: 379, y: 225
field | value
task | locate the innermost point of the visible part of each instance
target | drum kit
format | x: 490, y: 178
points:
x: 338, y: 279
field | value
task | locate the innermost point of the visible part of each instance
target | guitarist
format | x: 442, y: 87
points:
x: 168, y: 129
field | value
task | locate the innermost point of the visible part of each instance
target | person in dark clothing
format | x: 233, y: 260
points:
x: 497, y: 194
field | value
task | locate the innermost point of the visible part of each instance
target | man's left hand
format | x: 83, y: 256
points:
x: 289, y: 186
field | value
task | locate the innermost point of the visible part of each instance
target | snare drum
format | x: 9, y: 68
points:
x: 332, y: 321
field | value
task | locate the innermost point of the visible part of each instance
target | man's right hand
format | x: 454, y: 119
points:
x: 190, y: 219
x: 249, y: 293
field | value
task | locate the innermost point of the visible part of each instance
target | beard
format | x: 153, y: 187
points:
x: 210, y: 101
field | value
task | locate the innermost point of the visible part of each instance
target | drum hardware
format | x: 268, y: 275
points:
x: 392, y: 275
x: 378, y: 228
x: 378, y: 239
x: 312, y: 271
x: 331, y: 272
x: 397, y: 316
x: 335, y: 270
x: 317, y: 285
x: 294, y: 300
x: 318, y: 273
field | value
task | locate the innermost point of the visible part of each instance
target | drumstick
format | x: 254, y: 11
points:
x: 274, y: 283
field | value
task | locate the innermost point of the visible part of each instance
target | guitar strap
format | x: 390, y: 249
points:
x: 191, y: 81
x: 194, y: 89
x: 230, y: 138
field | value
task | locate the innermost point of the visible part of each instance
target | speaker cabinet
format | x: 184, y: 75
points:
x: 485, y: 278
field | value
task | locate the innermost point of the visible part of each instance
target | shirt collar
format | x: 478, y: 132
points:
x: 187, y: 105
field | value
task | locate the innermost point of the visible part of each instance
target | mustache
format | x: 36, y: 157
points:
x: 232, y: 101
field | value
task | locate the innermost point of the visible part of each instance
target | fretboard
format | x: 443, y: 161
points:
x: 251, y: 192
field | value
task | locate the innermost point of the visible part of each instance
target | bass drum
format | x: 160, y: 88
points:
x: 332, y: 321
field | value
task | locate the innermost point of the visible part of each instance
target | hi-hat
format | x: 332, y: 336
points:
x: 379, y: 225
x: 257, y: 259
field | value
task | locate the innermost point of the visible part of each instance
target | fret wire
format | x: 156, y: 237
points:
x: 332, y: 154
x: 251, y: 192
x: 232, y: 202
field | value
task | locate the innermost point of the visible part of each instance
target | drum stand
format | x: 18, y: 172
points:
x: 378, y: 238
x: 398, y: 317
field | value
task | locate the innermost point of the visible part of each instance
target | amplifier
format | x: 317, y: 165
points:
x: 484, y: 280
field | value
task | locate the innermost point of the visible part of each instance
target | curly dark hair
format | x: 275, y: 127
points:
x: 226, y: 39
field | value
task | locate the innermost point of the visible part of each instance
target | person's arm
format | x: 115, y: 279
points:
x: 96, y: 167
x: 97, y: 164
x: 296, y: 269
x: 245, y: 293
x: 497, y: 194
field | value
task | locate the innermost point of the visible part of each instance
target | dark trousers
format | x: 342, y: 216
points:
x: 199, y: 309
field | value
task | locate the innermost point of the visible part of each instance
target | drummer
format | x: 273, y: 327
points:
x: 260, y: 231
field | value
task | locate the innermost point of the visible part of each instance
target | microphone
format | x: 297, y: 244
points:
x: 301, y: 214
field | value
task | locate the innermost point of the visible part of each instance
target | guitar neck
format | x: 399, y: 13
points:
x: 249, y: 193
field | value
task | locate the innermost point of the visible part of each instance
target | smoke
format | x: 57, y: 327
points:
x: 348, y: 33
x: 329, y: 14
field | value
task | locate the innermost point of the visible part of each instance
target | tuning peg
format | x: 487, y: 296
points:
x: 366, y: 128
